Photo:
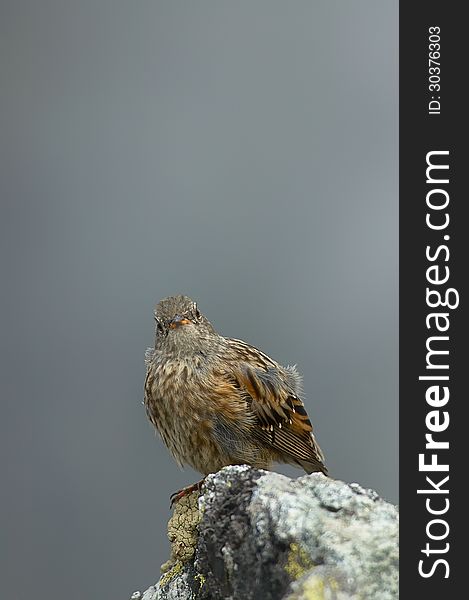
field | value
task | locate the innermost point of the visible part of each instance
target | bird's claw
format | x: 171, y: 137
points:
x: 185, y: 492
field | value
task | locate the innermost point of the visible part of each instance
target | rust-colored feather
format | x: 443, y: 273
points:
x: 281, y: 418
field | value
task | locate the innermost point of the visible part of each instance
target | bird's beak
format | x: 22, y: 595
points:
x: 178, y: 321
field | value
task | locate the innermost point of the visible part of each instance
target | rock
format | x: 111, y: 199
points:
x: 256, y: 535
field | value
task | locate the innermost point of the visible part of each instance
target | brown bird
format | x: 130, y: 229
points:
x: 218, y: 401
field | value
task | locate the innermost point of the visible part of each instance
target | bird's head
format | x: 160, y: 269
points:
x: 180, y: 325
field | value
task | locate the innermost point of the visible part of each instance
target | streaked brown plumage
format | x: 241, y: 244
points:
x: 218, y: 401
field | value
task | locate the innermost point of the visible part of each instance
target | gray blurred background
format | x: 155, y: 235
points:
x: 244, y: 153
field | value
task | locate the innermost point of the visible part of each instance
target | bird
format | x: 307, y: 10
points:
x: 218, y: 401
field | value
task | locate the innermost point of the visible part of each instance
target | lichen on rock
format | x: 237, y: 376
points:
x: 182, y: 531
x: 254, y: 534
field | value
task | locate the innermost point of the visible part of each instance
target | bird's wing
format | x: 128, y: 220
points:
x: 281, y: 420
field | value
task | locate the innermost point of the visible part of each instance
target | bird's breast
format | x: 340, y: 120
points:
x: 180, y: 375
x: 179, y: 405
x: 179, y: 388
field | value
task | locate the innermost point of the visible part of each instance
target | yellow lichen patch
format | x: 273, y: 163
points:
x: 318, y: 587
x: 298, y: 562
x: 182, y: 534
x: 166, y: 578
x: 201, y: 579
x: 313, y: 589
x: 182, y: 528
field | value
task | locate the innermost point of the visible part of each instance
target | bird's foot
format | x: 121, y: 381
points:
x: 185, y: 492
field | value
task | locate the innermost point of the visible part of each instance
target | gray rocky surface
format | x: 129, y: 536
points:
x: 255, y: 535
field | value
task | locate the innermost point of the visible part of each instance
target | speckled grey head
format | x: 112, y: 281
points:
x: 168, y: 308
x: 179, y: 323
